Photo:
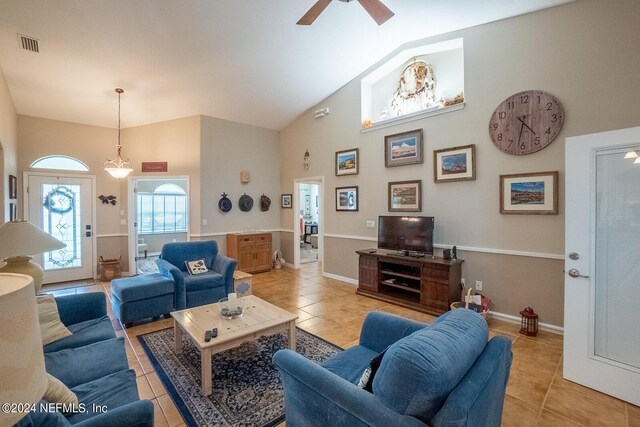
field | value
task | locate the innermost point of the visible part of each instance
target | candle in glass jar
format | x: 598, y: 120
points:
x: 232, y: 299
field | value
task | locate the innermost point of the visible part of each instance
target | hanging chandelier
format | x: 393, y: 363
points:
x: 118, y: 167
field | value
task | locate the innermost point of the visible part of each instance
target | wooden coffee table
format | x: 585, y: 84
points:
x: 260, y: 319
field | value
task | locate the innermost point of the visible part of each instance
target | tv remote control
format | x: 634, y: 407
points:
x: 207, y: 336
x: 214, y: 332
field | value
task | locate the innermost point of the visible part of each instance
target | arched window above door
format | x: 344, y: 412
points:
x: 60, y: 163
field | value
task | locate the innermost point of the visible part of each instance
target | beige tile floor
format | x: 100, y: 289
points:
x: 537, y: 395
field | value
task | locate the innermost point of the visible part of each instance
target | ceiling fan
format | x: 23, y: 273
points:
x: 378, y: 11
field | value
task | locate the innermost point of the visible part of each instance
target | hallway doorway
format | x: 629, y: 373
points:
x: 308, y: 205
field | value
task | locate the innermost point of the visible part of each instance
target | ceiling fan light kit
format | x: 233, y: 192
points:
x: 375, y: 8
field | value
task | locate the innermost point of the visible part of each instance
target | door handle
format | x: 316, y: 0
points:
x: 575, y: 274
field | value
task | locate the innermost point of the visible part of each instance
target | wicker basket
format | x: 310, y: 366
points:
x: 109, y: 269
x: 486, y: 302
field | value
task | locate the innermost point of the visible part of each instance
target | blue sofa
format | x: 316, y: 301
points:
x: 93, y: 364
x: 200, y: 289
x: 442, y: 374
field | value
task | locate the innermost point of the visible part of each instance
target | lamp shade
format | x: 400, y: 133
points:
x: 118, y: 171
x: 19, y: 238
x: 23, y: 378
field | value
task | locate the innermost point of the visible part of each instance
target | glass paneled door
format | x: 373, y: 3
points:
x: 62, y: 207
x: 602, y: 281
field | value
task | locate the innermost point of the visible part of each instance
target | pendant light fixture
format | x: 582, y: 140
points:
x: 118, y: 168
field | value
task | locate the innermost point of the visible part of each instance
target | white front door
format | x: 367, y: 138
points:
x: 602, y: 267
x: 62, y: 207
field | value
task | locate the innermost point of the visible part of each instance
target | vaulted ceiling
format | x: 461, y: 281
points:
x: 240, y: 60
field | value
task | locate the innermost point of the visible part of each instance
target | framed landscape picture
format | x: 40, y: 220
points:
x: 286, y: 201
x: 403, y: 148
x: 455, y: 164
x: 529, y: 193
x: 347, y: 199
x: 347, y: 162
x: 405, y: 196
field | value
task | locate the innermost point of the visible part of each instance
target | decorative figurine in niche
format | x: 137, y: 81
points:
x: 416, y: 89
x: 306, y: 160
x: 107, y: 200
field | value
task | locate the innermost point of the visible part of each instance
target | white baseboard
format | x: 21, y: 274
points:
x: 516, y: 320
x: 341, y: 278
x: 494, y: 314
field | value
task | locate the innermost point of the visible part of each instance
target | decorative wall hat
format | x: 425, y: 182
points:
x: 245, y: 203
x: 265, y: 203
x: 224, y: 203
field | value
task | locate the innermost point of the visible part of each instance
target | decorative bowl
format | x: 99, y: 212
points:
x: 231, y: 311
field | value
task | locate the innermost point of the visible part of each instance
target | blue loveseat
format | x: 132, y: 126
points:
x: 93, y: 364
x: 199, y: 289
x: 442, y: 374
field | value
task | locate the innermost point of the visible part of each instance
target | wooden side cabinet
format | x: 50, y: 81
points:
x: 428, y: 284
x: 253, y: 251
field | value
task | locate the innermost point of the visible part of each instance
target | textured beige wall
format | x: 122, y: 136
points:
x: 227, y: 149
x: 175, y: 141
x: 203, y: 148
x: 582, y: 52
x: 89, y: 144
x: 8, y: 147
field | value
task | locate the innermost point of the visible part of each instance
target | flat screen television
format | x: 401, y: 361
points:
x: 406, y: 234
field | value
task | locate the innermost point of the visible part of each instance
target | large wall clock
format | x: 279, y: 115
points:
x: 526, y: 122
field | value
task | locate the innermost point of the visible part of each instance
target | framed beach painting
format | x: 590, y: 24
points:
x: 347, y: 162
x: 347, y: 199
x: 529, y: 193
x: 405, y: 196
x: 403, y: 148
x: 455, y: 164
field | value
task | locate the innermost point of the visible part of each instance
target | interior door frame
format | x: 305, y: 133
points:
x: 318, y: 180
x: 580, y: 296
x: 132, y: 234
x: 25, y: 206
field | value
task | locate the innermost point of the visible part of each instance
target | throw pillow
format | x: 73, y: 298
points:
x: 51, y: 328
x: 366, y: 381
x: 196, y: 267
x: 57, y: 392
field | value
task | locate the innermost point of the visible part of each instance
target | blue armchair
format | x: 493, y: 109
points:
x: 199, y: 289
x: 442, y: 374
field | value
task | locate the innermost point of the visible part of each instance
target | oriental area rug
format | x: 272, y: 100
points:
x: 247, y: 389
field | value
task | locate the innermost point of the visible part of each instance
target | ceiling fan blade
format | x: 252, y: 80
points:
x: 313, y: 13
x: 378, y: 11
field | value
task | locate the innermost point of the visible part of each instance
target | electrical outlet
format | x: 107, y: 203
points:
x: 205, y: 222
x: 123, y: 221
x: 463, y: 281
x: 478, y: 285
x: 370, y: 224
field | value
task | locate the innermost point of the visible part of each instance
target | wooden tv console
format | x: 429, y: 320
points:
x: 427, y: 284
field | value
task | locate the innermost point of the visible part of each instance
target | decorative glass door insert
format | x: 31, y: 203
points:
x: 62, y: 207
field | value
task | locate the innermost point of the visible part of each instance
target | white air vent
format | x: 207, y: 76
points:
x: 29, y: 43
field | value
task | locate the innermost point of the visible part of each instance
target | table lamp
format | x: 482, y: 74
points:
x: 18, y: 240
x: 23, y: 379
